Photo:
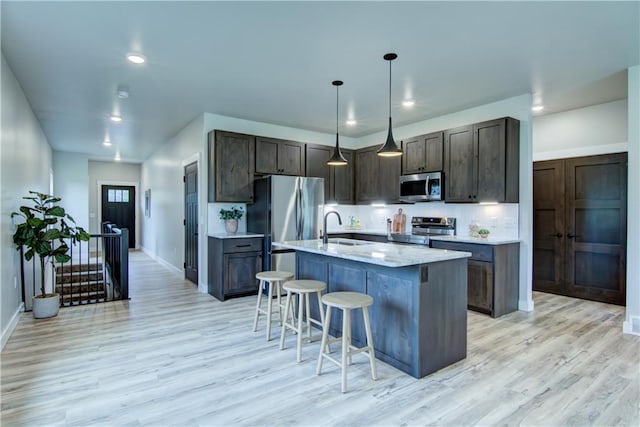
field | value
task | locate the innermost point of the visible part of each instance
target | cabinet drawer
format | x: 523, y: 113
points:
x: 242, y: 245
x: 479, y: 252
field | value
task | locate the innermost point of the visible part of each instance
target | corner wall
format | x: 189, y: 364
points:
x: 26, y: 162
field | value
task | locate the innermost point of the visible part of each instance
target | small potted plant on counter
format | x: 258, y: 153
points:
x: 230, y: 218
x: 484, y: 233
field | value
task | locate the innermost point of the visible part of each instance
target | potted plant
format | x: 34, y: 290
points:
x: 484, y: 233
x: 47, y: 231
x: 231, y: 217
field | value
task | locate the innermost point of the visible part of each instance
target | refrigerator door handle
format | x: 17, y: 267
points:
x: 299, y: 213
x: 302, y: 214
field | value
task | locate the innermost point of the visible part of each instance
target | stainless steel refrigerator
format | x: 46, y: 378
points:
x: 285, y: 208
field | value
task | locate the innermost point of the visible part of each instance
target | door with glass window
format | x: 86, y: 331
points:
x: 119, y: 207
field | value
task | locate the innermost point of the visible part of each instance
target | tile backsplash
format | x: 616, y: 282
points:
x: 500, y: 219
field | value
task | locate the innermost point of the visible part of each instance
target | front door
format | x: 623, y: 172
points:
x: 191, y: 222
x: 119, y: 207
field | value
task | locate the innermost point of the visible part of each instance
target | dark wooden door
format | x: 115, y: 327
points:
x: 459, y: 165
x: 191, y: 222
x: 548, y: 226
x: 343, y: 180
x: 596, y: 227
x: 119, y: 207
x: 434, y: 152
x: 266, y: 156
x: 490, y: 164
x: 366, y: 175
x: 413, y: 155
x: 234, y: 167
x: 387, y: 172
x: 291, y: 158
x: 480, y: 285
x: 316, y: 159
x: 279, y: 157
x: 240, y: 272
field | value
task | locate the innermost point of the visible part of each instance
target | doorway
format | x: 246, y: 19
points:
x: 191, y: 222
x: 580, y: 227
x: 119, y: 207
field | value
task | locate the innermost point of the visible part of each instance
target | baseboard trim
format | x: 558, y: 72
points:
x: 161, y: 260
x: 6, y: 334
x: 525, y: 305
x: 628, y: 326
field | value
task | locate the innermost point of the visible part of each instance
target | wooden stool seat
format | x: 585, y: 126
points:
x: 303, y: 288
x: 273, y: 279
x: 346, y: 301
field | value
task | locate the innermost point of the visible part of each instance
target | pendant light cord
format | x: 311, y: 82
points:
x: 337, y: 95
x: 389, y: 88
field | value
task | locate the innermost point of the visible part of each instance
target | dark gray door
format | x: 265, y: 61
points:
x: 191, y: 222
x: 119, y: 207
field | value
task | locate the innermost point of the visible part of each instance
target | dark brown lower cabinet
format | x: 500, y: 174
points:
x: 233, y: 265
x: 492, y: 275
x: 580, y: 227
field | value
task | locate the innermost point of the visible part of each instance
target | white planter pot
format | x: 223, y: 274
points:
x: 231, y: 226
x: 46, y: 307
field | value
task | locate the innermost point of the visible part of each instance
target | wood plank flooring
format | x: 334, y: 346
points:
x: 174, y: 356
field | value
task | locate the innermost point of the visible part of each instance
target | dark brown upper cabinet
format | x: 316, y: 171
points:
x: 481, y: 162
x: 231, y: 163
x: 279, y: 157
x: 338, y: 180
x: 377, y: 178
x: 422, y: 154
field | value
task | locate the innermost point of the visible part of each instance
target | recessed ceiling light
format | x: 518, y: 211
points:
x: 537, y: 108
x: 136, y: 58
x: 106, y: 142
x: 115, y: 118
x: 117, y: 157
x: 408, y: 103
x: 351, y: 122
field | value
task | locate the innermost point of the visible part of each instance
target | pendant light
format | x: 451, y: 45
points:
x: 337, y: 159
x: 390, y: 148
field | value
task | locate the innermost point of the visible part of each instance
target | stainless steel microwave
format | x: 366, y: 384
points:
x: 422, y: 187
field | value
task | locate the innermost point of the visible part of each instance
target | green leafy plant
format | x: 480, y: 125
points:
x: 483, y: 231
x: 233, y: 213
x: 47, y: 231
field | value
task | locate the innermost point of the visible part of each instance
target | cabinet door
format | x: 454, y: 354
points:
x: 413, y: 155
x: 490, y: 154
x: 387, y: 172
x: 548, y: 226
x: 343, y: 180
x: 291, y: 158
x: 266, y: 156
x: 480, y: 286
x: 316, y: 160
x: 366, y: 175
x: 459, y: 165
x: 240, y: 272
x: 232, y: 170
x: 433, y: 151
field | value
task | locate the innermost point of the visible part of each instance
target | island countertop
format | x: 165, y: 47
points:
x: 385, y: 254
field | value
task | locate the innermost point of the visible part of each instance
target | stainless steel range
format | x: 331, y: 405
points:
x: 424, y: 226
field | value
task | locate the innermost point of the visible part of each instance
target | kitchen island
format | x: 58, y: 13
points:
x: 419, y: 313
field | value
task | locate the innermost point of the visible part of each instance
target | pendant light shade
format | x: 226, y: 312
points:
x: 337, y: 159
x: 390, y: 148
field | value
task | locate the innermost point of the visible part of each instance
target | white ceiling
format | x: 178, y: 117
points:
x: 274, y: 62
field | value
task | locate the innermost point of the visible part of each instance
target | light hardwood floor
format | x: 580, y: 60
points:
x: 174, y: 356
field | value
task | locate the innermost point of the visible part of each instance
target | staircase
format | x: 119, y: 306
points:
x: 81, y: 284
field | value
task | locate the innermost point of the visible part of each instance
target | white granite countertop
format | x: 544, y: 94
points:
x: 387, y: 254
x: 359, y: 231
x: 240, y: 235
x: 478, y: 240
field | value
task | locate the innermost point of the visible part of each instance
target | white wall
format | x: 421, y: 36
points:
x: 632, y: 322
x: 163, y: 230
x: 518, y: 107
x: 26, y: 161
x: 597, y: 129
x: 113, y: 173
x: 71, y: 183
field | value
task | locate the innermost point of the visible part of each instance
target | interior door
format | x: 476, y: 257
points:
x: 119, y: 207
x: 191, y: 222
x: 596, y: 227
x: 548, y: 226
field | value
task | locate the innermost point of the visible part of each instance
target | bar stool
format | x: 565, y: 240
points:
x: 302, y: 288
x: 273, y: 279
x: 346, y: 301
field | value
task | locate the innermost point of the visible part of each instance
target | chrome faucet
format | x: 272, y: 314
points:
x: 325, y: 236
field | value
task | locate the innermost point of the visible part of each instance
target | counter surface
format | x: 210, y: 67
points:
x: 240, y: 235
x: 385, y: 254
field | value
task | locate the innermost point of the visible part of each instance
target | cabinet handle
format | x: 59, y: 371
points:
x: 469, y: 195
x: 558, y: 235
x: 243, y: 246
x: 572, y: 236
